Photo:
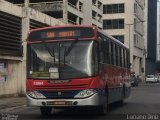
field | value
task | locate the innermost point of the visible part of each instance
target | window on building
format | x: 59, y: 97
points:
x: 119, y: 37
x: 135, y: 8
x: 121, y: 8
x: 138, y: 41
x: 113, y: 8
x: 113, y: 24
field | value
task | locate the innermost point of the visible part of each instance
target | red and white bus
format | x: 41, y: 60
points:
x: 75, y: 66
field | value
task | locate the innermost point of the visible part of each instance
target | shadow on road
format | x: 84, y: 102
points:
x: 116, y: 105
x: 76, y: 114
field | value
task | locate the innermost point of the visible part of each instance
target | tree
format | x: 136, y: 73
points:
x: 158, y: 66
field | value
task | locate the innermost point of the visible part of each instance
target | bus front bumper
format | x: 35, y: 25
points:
x: 94, y: 100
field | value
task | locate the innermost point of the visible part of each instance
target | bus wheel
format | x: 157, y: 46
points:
x: 46, y: 111
x: 102, y: 110
x: 121, y: 102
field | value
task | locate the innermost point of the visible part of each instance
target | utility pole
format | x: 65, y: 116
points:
x: 129, y: 25
x: 129, y: 45
x: 65, y: 13
x: 26, y: 3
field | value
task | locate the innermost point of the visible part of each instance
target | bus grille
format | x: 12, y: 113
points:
x: 62, y: 95
x: 61, y: 87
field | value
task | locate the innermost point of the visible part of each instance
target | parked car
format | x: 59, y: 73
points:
x: 158, y: 74
x: 152, y: 79
x: 134, y: 81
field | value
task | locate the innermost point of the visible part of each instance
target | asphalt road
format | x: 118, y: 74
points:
x: 144, y: 103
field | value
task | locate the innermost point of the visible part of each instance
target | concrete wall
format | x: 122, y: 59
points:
x: 13, y: 82
x: 16, y: 66
x: 87, y: 15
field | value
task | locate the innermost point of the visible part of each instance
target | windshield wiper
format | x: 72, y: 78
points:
x: 51, y: 52
x: 70, y: 47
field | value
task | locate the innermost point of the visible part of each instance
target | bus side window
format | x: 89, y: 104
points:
x: 120, y: 54
x: 116, y: 55
x: 128, y: 60
x: 125, y: 60
x: 101, y: 47
x: 105, y: 47
x: 107, y: 52
x: 112, y: 54
x: 95, y: 59
x: 122, y: 57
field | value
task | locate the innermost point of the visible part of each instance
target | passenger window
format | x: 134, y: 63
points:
x: 112, y: 54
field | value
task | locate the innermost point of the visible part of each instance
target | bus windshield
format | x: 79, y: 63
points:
x: 62, y: 60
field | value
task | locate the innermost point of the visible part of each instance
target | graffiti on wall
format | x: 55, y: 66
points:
x: 3, y: 71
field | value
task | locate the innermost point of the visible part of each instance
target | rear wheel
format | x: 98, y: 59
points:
x: 46, y: 111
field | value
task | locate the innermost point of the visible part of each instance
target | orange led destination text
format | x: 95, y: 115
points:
x: 50, y: 34
x: 67, y: 34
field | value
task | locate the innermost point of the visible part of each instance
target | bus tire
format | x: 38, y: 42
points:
x: 46, y: 111
x: 103, y: 109
x: 123, y: 96
x: 121, y: 102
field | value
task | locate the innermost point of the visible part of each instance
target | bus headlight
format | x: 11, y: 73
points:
x: 85, y: 93
x: 35, y: 94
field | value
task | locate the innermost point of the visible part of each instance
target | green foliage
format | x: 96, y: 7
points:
x: 158, y: 66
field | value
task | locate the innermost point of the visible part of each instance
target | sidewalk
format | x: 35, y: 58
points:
x: 10, y: 102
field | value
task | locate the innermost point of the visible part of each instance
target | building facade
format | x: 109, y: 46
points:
x: 15, y: 22
x: 69, y: 11
x: 158, y: 30
x: 151, y: 37
x: 21, y: 18
x: 124, y: 20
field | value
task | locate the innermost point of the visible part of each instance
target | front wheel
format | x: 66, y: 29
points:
x: 46, y: 111
x: 103, y: 109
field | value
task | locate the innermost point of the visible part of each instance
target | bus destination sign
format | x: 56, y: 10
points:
x: 61, y: 33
